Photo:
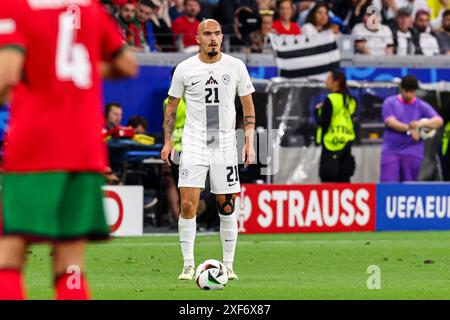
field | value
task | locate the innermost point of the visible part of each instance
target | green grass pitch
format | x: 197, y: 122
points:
x: 414, y: 265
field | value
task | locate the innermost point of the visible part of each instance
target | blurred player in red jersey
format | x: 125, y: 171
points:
x: 52, y: 56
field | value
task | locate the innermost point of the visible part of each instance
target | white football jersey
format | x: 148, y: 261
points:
x: 210, y: 91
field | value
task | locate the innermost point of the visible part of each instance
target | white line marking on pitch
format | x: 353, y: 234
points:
x: 244, y: 242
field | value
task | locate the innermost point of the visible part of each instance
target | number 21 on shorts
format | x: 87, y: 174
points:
x: 232, y: 174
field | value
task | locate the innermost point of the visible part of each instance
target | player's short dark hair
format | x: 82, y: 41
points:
x: 111, y: 105
x: 136, y: 121
x: 409, y: 83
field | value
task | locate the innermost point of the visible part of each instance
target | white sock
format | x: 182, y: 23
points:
x: 228, y: 235
x: 187, y: 229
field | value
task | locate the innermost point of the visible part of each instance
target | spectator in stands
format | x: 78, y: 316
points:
x: 351, y: 12
x: 414, y: 6
x: 373, y: 38
x: 317, y: 21
x: 285, y: 25
x: 186, y: 26
x: 176, y: 9
x: 443, y: 35
x: 266, y: 4
x: 428, y: 43
x: 127, y: 13
x: 246, y: 22
x: 402, y: 149
x: 209, y: 9
x: 336, y: 130
x: 389, y: 8
x: 113, y: 119
x: 162, y: 26
x: 109, y: 7
x: 138, y: 123
x: 437, y: 9
x: 406, y: 38
x: 144, y: 36
x: 113, y: 114
x: 226, y: 12
x: 260, y: 41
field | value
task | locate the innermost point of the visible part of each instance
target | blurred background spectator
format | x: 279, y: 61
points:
x: 351, y: 12
x: 226, y: 12
x: 185, y: 26
x: 176, y: 8
x: 247, y: 21
x: 443, y: 35
x: 260, y: 41
x: 413, y: 6
x: 162, y: 26
x: 285, y: 25
x: 109, y: 6
x: 373, y: 38
x: 113, y: 115
x: 138, y: 123
x: 318, y: 21
x: 427, y: 40
x: 125, y: 18
x: 388, y: 10
x: 416, y: 26
x: 144, y: 37
x: 437, y: 9
x: 406, y: 38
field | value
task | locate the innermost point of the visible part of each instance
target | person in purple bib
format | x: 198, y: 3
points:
x: 404, y: 115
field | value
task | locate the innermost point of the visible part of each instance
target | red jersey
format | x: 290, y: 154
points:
x: 56, y: 112
x: 188, y: 30
x: 294, y: 28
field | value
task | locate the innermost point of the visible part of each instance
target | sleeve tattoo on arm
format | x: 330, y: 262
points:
x: 170, y: 118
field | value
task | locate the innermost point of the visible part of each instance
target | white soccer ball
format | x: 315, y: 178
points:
x: 426, y: 133
x: 211, y: 275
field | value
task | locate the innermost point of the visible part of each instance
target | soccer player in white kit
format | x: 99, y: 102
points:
x: 209, y: 81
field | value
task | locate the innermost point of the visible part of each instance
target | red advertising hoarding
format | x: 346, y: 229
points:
x: 306, y: 208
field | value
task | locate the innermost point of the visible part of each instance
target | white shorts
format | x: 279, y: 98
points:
x: 221, y: 165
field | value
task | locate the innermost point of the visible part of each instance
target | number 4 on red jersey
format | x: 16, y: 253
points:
x: 63, y: 42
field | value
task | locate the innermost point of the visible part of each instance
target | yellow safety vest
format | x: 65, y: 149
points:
x: 445, y: 139
x: 341, y: 130
x: 177, y: 133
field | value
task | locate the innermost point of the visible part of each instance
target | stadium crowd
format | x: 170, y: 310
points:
x: 379, y: 27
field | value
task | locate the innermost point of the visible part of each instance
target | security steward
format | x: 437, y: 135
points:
x: 335, y: 130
